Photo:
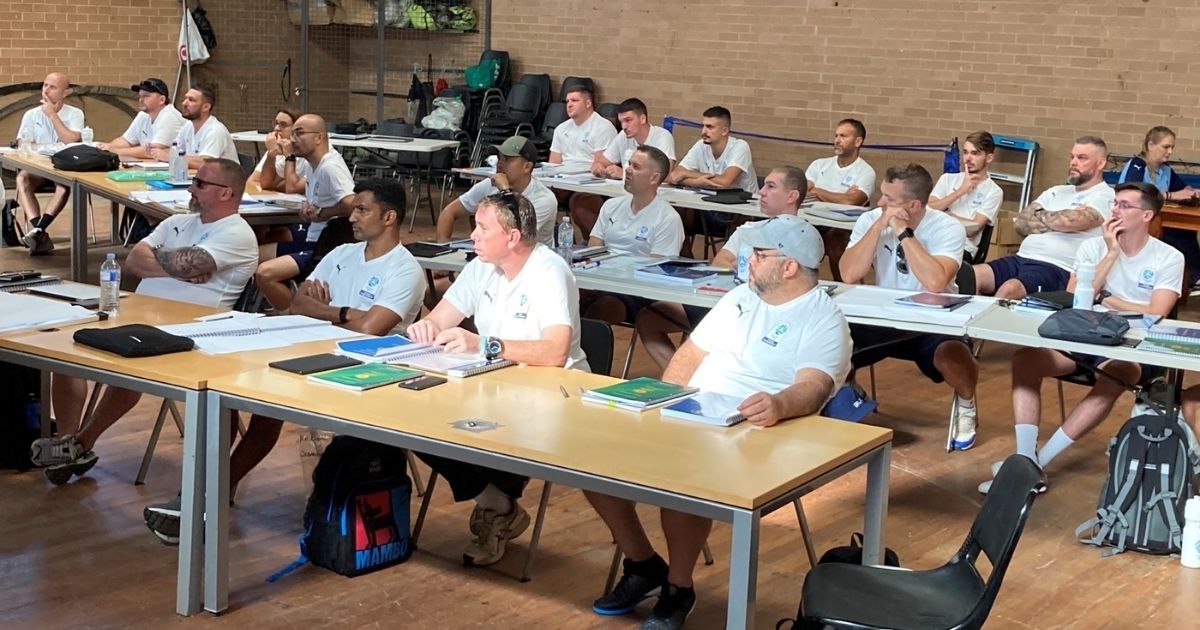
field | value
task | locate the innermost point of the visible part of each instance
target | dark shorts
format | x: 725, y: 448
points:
x: 1034, y: 275
x: 301, y: 252
x: 873, y: 344
x: 1086, y: 364
x: 695, y: 314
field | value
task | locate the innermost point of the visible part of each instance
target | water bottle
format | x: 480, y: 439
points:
x: 566, y: 238
x: 1189, y: 553
x: 86, y: 136
x: 178, y: 163
x: 110, y: 285
x: 628, y: 155
x: 741, y: 272
x: 1085, y: 295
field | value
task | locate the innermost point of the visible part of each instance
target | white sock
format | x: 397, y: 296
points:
x: 1027, y: 436
x: 965, y: 402
x: 493, y: 499
x: 1055, y: 445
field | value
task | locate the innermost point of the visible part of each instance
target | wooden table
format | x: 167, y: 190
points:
x: 734, y: 475
x: 40, y: 166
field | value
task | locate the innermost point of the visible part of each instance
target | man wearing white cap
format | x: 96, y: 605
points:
x: 780, y: 345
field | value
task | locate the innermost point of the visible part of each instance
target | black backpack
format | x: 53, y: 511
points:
x: 20, y: 414
x: 356, y: 520
x: 204, y: 27
x: 82, y: 157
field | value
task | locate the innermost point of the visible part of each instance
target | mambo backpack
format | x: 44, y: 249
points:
x: 82, y: 157
x: 356, y: 519
x: 1152, y: 463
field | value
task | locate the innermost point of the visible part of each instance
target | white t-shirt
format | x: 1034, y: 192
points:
x: 37, y: 124
x: 212, y: 140
x: 161, y: 131
x: 1059, y: 248
x: 329, y: 183
x: 1157, y: 266
x: 578, y: 144
x: 302, y: 167
x: 753, y: 346
x: 939, y: 234
x: 985, y: 200
x: 545, y: 204
x: 622, y: 144
x: 231, y: 243
x: 827, y: 175
x: 737, y: 153
x: 655, y: 230
x: 542, y: 295
x: 394, y: 280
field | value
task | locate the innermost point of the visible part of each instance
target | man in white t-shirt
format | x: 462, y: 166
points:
x: 155, y: 127
x: 781, y: 193
x: 636, y: 131
x: 515, y: 159
x: 845, y: 178
x: 328, y: 193
x: 971, y: 195
x: 717, y: 160
x: 372, y: 286
x: 202, y: 136
x: 1054, y: 225
x: 584, y: 135
x: 913, y: 249
x: 1133, y: 272
x: 285, y: 176
x: 204, y: 257
x: 778, y: 344
x: 526, y: 309
x: 51, y: 122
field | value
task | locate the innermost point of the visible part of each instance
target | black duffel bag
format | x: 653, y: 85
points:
x: 82, y: 157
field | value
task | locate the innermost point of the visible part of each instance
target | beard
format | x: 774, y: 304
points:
x: 1076, y: 178
x: 766, y: 283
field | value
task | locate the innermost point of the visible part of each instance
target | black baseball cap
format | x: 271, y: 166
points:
x: 152, y: 85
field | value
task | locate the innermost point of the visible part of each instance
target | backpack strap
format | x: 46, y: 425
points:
x: 295, y: 564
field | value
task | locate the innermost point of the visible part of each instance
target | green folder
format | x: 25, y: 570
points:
x: 643, y: 392
x: 365, y: 376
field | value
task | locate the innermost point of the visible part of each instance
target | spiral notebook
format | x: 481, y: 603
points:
x: 241, y: 332
x: 456, y: 364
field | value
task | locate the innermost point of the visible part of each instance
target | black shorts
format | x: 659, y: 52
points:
x: 1034, y: 275
x: 873, y: 344
x: 1086, y: 365
x: 301, y: 252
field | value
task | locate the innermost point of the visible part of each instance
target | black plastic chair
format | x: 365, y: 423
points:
x: 985, y: 243
x: 596, y: 340
x: 540, y: 82
x: 571, y: 82
x: 504, y: 77
x: 953, y: 595
x: 609, y: 112
x: 248, y: 163
x: 965, y: 279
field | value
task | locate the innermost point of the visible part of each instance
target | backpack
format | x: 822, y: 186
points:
x: 82, y: 157
x: 20, y: 414
x: 1152, y: 463
x: 9, y: 227
x: 356, y: 519
x: 204, y: 27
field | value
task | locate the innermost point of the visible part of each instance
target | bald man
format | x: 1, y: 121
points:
x: 51, y: 122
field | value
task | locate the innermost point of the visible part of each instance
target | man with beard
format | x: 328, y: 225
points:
x: 52, y: 121
x: 971, y: 195
x: 717, y: 160
x: 205, y: 137
x: 155, y: 127
x: 780, y: 345
x: 843, y: 178
x: 1054, y: 225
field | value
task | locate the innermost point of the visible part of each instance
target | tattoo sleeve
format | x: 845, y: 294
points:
x: 1075, y: 219
x: 186, y: 262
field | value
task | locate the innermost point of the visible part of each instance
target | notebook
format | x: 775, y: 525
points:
x: 933, y: 300
x: 674, y: 272
x: 71, y: 291
x: 365, y: 376
x: 380, y: 349
x: 314, y: 363
x: 456, y: 364
x: 639, y: 394
x: 707, y: 408
x: 428, y: 250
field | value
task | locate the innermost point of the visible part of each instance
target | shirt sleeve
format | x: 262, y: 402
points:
x: 612, y: 152
x: 691, y: 161
x: 665, y: 142
x: 668, y: 235
x: 463, y: 293
x: 26, y: 128
x: 604, y: 218
x: 1170, y: 276
x: 1176, y: 182
x: 741, y: 157
x: 259, y: 167
x: 72, y: 119
x: 813, y: 172
x: 734, y: 242
x: 551, y: 302
x: 990, y: 207
x: 556, y: 144
x: 212, y: 146
x: 716, y: 322
x: 861, y: 226
x: 232, y: 246
x: 470, y: 199
x: 865, y: 179
x: 827, y: 347
x: 323, y: 270
x: 943, y: 186
x: 604, y: 133
x: 131, y: 133
x: 949, y: 241
x: 159, y: 235
x: 165, y: 129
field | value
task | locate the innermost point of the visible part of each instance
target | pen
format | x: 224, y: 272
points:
x: 564, y: 391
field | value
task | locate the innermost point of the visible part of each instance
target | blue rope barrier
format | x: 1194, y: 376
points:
x: 669, y: 123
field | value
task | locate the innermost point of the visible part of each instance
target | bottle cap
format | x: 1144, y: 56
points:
x: 1191, y: 509
x: 110, y: 256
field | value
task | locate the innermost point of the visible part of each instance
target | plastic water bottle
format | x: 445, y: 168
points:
x: 566, y: 238
x: 628, y: 155
x: 86, y: 136
x: 110, y: 285
x: 1189, y: 555
x: 1085, y: 295
x: 178, y: 163
x: 741, y: 273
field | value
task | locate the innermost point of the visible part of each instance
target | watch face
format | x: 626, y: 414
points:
x: 493, y: 347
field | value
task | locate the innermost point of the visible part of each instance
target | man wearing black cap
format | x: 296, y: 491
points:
x: 514, y: 171
x: 155, y: 126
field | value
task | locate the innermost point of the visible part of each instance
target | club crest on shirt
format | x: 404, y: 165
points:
x: 1146, y: 279
x: 522, y: 302
x: 371, y: 288
x: 772, y: 338
x: 643, y: 233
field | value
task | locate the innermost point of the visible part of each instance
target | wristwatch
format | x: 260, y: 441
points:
x: 290, y: 158
x: 907, y: 233
x: 492, y: 348
x: 344, y: 315
x: 1100, y: 295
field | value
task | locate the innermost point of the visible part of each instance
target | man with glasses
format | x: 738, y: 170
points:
x: 526, y: 309
x: 913, y: 249
x: 155, y: 126
x: 205, y: 137
x: 1133, y: 272
x: 285, y: 177
x: 203, y: 257
x: 328, y: 193
x: 777, y: 343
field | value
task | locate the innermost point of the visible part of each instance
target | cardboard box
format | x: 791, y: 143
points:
x: 1005, y: 232
x: 1000, y: 251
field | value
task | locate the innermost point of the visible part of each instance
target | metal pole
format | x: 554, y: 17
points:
x: 487, y: 26
x: 303, y: 87
x: 379, y: 64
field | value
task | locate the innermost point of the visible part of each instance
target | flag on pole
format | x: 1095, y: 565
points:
x: 191, y: 46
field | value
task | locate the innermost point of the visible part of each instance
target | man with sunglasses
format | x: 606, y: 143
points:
x: 204, y: 257
x: 1133, y: 272
x: 778, y: 344
x: 526, y: 309
x: 914, y: 249
x: 155, y: 127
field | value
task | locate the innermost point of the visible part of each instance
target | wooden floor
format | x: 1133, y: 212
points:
x: 78, y: 556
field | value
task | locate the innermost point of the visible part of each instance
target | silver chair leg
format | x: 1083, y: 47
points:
x: 90, y: 407
x: 149, y: 454
x: 805, y: 533
x: 416, y: 532
x: 538, y: 521
x: 629, y: 354
x: 175, y: 415
x: 707, y: 553
x: 416, y: 473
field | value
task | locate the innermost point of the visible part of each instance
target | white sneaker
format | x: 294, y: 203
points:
x: 964, y: 425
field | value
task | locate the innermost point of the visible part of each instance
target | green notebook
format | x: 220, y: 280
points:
x: 640, y: 393
x: 365, y: 376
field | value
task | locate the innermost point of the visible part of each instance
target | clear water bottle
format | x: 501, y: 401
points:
x: 110, y: 285
x: 1085, y: 294
x: 87, y: 136
x: 566, y: 238
x: 178, y: 163
x: 1189, y: 544
x: 741, y: 272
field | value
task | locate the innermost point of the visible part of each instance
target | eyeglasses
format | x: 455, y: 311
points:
x: 901, y: 261
x: 761, y: 255
x: 201, y: 184
x: 1124, y: 205
x: 280, y: 123
x: 296, y: 133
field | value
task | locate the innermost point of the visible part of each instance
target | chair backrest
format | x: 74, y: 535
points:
x: 523, y: 102
x: 571, y: 82
x: 542, y: 83
x: 247, y: 161
x: 504, y: 77
x: 555, y: 116
x: 965, y: 279
x: 596, y: 340
x: 609, y: 111
x: 985, y: 243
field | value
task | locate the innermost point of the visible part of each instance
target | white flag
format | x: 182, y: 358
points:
x: 191, y: 45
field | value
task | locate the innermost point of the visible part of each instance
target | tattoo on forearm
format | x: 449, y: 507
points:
x: 1029, y: 225
x: 186, y: 262
x: 1075, y: 219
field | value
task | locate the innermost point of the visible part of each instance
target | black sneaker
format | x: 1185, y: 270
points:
x: 632, y: 589
x: 163, y: 520
x: 674, y: 605
x: 59, y: 474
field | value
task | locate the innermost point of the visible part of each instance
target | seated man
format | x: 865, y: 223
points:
x: 717, y: 160
x: 843, y: 178
x: 778, y: 343
x: 526, y: 308
x: 287, y: 176
x: 203, y: 135
x: 638, y: 224
x: 155, y: 127
x: 204, y: 257
x: 372, y: 286
x: 781, y: 194
x: 636, y: 131
x: 52, y: 121
x: 1054, y: 225
x: 971, y: 195
x: 913, y: 249
x: 585, y: 134
x: 328, y: 193
x: 515, y: 160
x: 1133, y: 272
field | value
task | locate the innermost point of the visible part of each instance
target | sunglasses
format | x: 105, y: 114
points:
x: 201, y: 184
x: 512, y: 202
x: 901, y: 261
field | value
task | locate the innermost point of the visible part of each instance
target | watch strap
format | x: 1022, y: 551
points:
x: 344, y: 315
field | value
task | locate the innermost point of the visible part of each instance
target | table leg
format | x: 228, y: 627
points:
x: 743, y: 570
x: 114, y: 223
x: 216, y: 506
x: 878, y: 475
x: 79, y: 222
x: 191, y: 518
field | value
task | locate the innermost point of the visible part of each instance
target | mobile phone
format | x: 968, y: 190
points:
x: 17, y: 276
x: 1128, y: 314
x: 421, y: 382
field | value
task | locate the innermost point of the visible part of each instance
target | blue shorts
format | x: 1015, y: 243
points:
x: 873, y: 344
x: 1034, y: 275
x: 695, y: 314
x: 301, y: 252
x: 1087, y: 364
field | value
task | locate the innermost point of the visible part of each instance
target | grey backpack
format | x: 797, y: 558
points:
x: 1152, y: 463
